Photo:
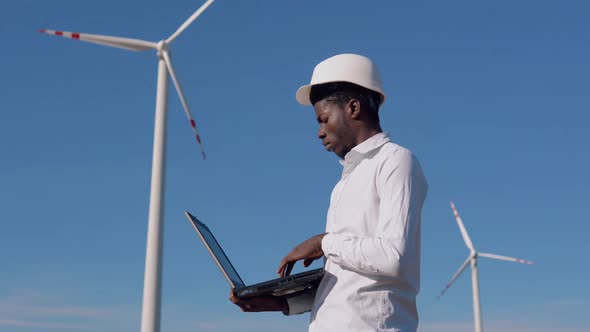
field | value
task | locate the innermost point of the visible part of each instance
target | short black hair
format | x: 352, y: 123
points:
x: 342, y: 92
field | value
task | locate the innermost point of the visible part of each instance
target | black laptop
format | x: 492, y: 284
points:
x: 289, y: 285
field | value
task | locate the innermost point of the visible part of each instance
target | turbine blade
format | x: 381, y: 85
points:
x: 118, y: 42
x: 456, y: 275
x: 189, y: 21
x: 462, y: 228
x: 505, y: 258
x: 183, y: 100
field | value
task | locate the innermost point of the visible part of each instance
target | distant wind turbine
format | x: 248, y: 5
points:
x: 150, y: 315
x: 472, y: 258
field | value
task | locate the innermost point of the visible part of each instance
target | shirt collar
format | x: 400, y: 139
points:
x: 364, y: 149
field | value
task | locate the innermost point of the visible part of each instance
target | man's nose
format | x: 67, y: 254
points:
x: 321, y: 133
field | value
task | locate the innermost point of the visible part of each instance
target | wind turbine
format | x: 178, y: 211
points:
x: 150, y: 314
x: 472, y: 259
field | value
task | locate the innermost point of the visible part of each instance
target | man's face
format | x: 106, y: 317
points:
x: 335, y: 127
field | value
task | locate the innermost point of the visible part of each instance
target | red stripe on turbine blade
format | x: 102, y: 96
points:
x: 59, y: 33
x: 76, y: 35
x: 193, y: 124
x: 42, y: 30
x: 198, y: 139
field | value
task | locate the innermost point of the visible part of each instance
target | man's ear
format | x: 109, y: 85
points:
x: 354, y: 107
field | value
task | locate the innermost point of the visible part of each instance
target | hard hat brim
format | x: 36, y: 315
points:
x: 302, y: 95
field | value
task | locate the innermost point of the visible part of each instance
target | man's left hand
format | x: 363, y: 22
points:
x: 260, y: 303
x: 308, y: 251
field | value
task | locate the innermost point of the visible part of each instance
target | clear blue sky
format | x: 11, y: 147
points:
x: 493, y: 97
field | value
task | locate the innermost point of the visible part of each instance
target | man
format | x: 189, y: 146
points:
x: 372, y: 241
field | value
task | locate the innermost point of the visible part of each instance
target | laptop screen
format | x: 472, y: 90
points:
x: 216, y: 251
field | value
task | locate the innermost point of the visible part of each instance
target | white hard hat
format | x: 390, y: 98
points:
x: 352, y: 68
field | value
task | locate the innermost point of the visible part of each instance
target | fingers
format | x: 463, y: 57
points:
x: 289, y: 268
x: 281, y: 268
x: 244, y: 305
x: 233, y: 298
x: 236, y: 301
x: 286, y: 266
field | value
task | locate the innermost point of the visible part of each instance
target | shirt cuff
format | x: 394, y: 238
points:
x: 330, y: 245
x: 299, y: 304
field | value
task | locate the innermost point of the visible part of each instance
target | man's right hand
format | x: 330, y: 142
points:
x: 260, y: 303
x: 308, y: 251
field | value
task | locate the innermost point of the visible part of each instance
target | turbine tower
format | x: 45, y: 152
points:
x: 151, y: 307
x: 472, y: 260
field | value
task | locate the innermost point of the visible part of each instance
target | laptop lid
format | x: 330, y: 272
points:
x: 226, y: 267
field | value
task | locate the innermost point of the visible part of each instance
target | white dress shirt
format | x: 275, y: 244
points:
x: 372, y: 248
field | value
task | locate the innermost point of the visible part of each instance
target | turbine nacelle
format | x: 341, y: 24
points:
x: 162, y: 46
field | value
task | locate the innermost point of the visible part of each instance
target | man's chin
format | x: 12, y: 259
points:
x: 339, y: 154
x: 330, y: 148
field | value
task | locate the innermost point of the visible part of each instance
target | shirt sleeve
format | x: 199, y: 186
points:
x: 395, y: 247
x: 299, y: 304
